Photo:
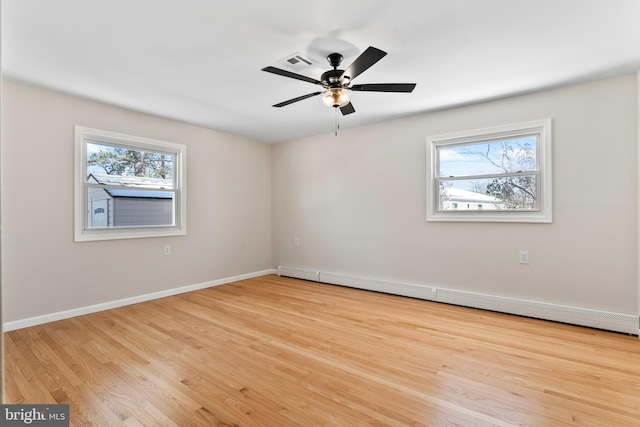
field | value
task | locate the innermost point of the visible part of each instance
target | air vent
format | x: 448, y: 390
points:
x: 297, y: 61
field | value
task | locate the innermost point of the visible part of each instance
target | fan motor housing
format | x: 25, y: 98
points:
x: 331, y: 78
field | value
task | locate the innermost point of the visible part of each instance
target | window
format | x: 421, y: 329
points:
x: 500, y: 174
x: 128, y: 186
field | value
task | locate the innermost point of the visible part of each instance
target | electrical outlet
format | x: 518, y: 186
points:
x: 167, y: 250
x: 523, y: 257
x: 296, y: 241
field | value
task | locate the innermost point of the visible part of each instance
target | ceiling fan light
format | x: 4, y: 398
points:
x: 336, y: 97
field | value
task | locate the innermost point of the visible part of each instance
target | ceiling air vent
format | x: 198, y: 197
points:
x: 297, y: 61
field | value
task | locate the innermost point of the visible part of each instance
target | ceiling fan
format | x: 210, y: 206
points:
x: 336, y: 83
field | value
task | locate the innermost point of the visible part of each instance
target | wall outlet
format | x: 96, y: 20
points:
x: 296, y: 241
x: 167, y: 250
x: 523, y: 257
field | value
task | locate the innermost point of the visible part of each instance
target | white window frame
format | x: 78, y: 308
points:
x: 544, y: 176
x: 82, y: 232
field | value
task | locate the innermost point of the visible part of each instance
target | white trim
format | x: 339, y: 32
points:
x: 543, y: 215
x: 618, y: 322
x: 52, y: 317
x: 81, y: 233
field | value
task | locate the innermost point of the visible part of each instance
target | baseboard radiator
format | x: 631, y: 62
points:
x: 610, y: 321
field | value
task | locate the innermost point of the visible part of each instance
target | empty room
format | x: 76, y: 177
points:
x: 365, y: 213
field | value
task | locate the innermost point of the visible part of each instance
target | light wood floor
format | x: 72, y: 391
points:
x: 277, y: 352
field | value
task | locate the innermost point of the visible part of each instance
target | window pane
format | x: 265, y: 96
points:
x: 487, y: 158
x: 109, y: 207
x: 115, y: 161
x: 508, y: 193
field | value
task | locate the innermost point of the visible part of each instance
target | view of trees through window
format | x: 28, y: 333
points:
x: 491, y: 175
x: 112, y: 160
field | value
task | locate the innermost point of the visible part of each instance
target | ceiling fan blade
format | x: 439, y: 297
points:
x: 300, y: 98
x: 291, y: 75
x: 363, y: 62
x: 347, y: 109
x: 385, y: 87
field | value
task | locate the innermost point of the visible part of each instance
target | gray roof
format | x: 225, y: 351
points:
x: 134, y: 186
x: 116, y: 192
x: 134, y: 181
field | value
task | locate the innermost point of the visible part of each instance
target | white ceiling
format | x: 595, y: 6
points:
x: 200, y: 61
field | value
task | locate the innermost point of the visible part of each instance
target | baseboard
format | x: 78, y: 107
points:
x: 52, y: 317
x: 606, y: 320
x: 299, y: 273
x: 388, y: 287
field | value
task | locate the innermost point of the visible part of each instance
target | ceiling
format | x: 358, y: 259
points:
x: 200, y: 61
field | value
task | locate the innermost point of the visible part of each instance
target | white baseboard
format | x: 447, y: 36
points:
x: 388, y: 287
x: 618, y: 322
x: 52, y: 317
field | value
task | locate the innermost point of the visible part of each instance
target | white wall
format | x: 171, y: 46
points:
x: 44, y: 271
x: 357, y: 203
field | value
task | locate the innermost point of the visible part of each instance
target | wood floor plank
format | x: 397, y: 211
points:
x: 275, y: 351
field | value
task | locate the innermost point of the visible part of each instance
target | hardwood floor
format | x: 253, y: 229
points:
x: 275, y: 351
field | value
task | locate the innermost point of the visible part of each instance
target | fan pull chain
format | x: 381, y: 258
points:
x: 337, y: 120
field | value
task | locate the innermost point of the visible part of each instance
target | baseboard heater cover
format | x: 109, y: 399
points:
x: 611, y: 321
x: 618, y: 322
x: 388, y: 287
x: 298, y: 273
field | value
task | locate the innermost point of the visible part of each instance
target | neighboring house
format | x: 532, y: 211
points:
x: 458, y: 199
x: 122, y: 207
